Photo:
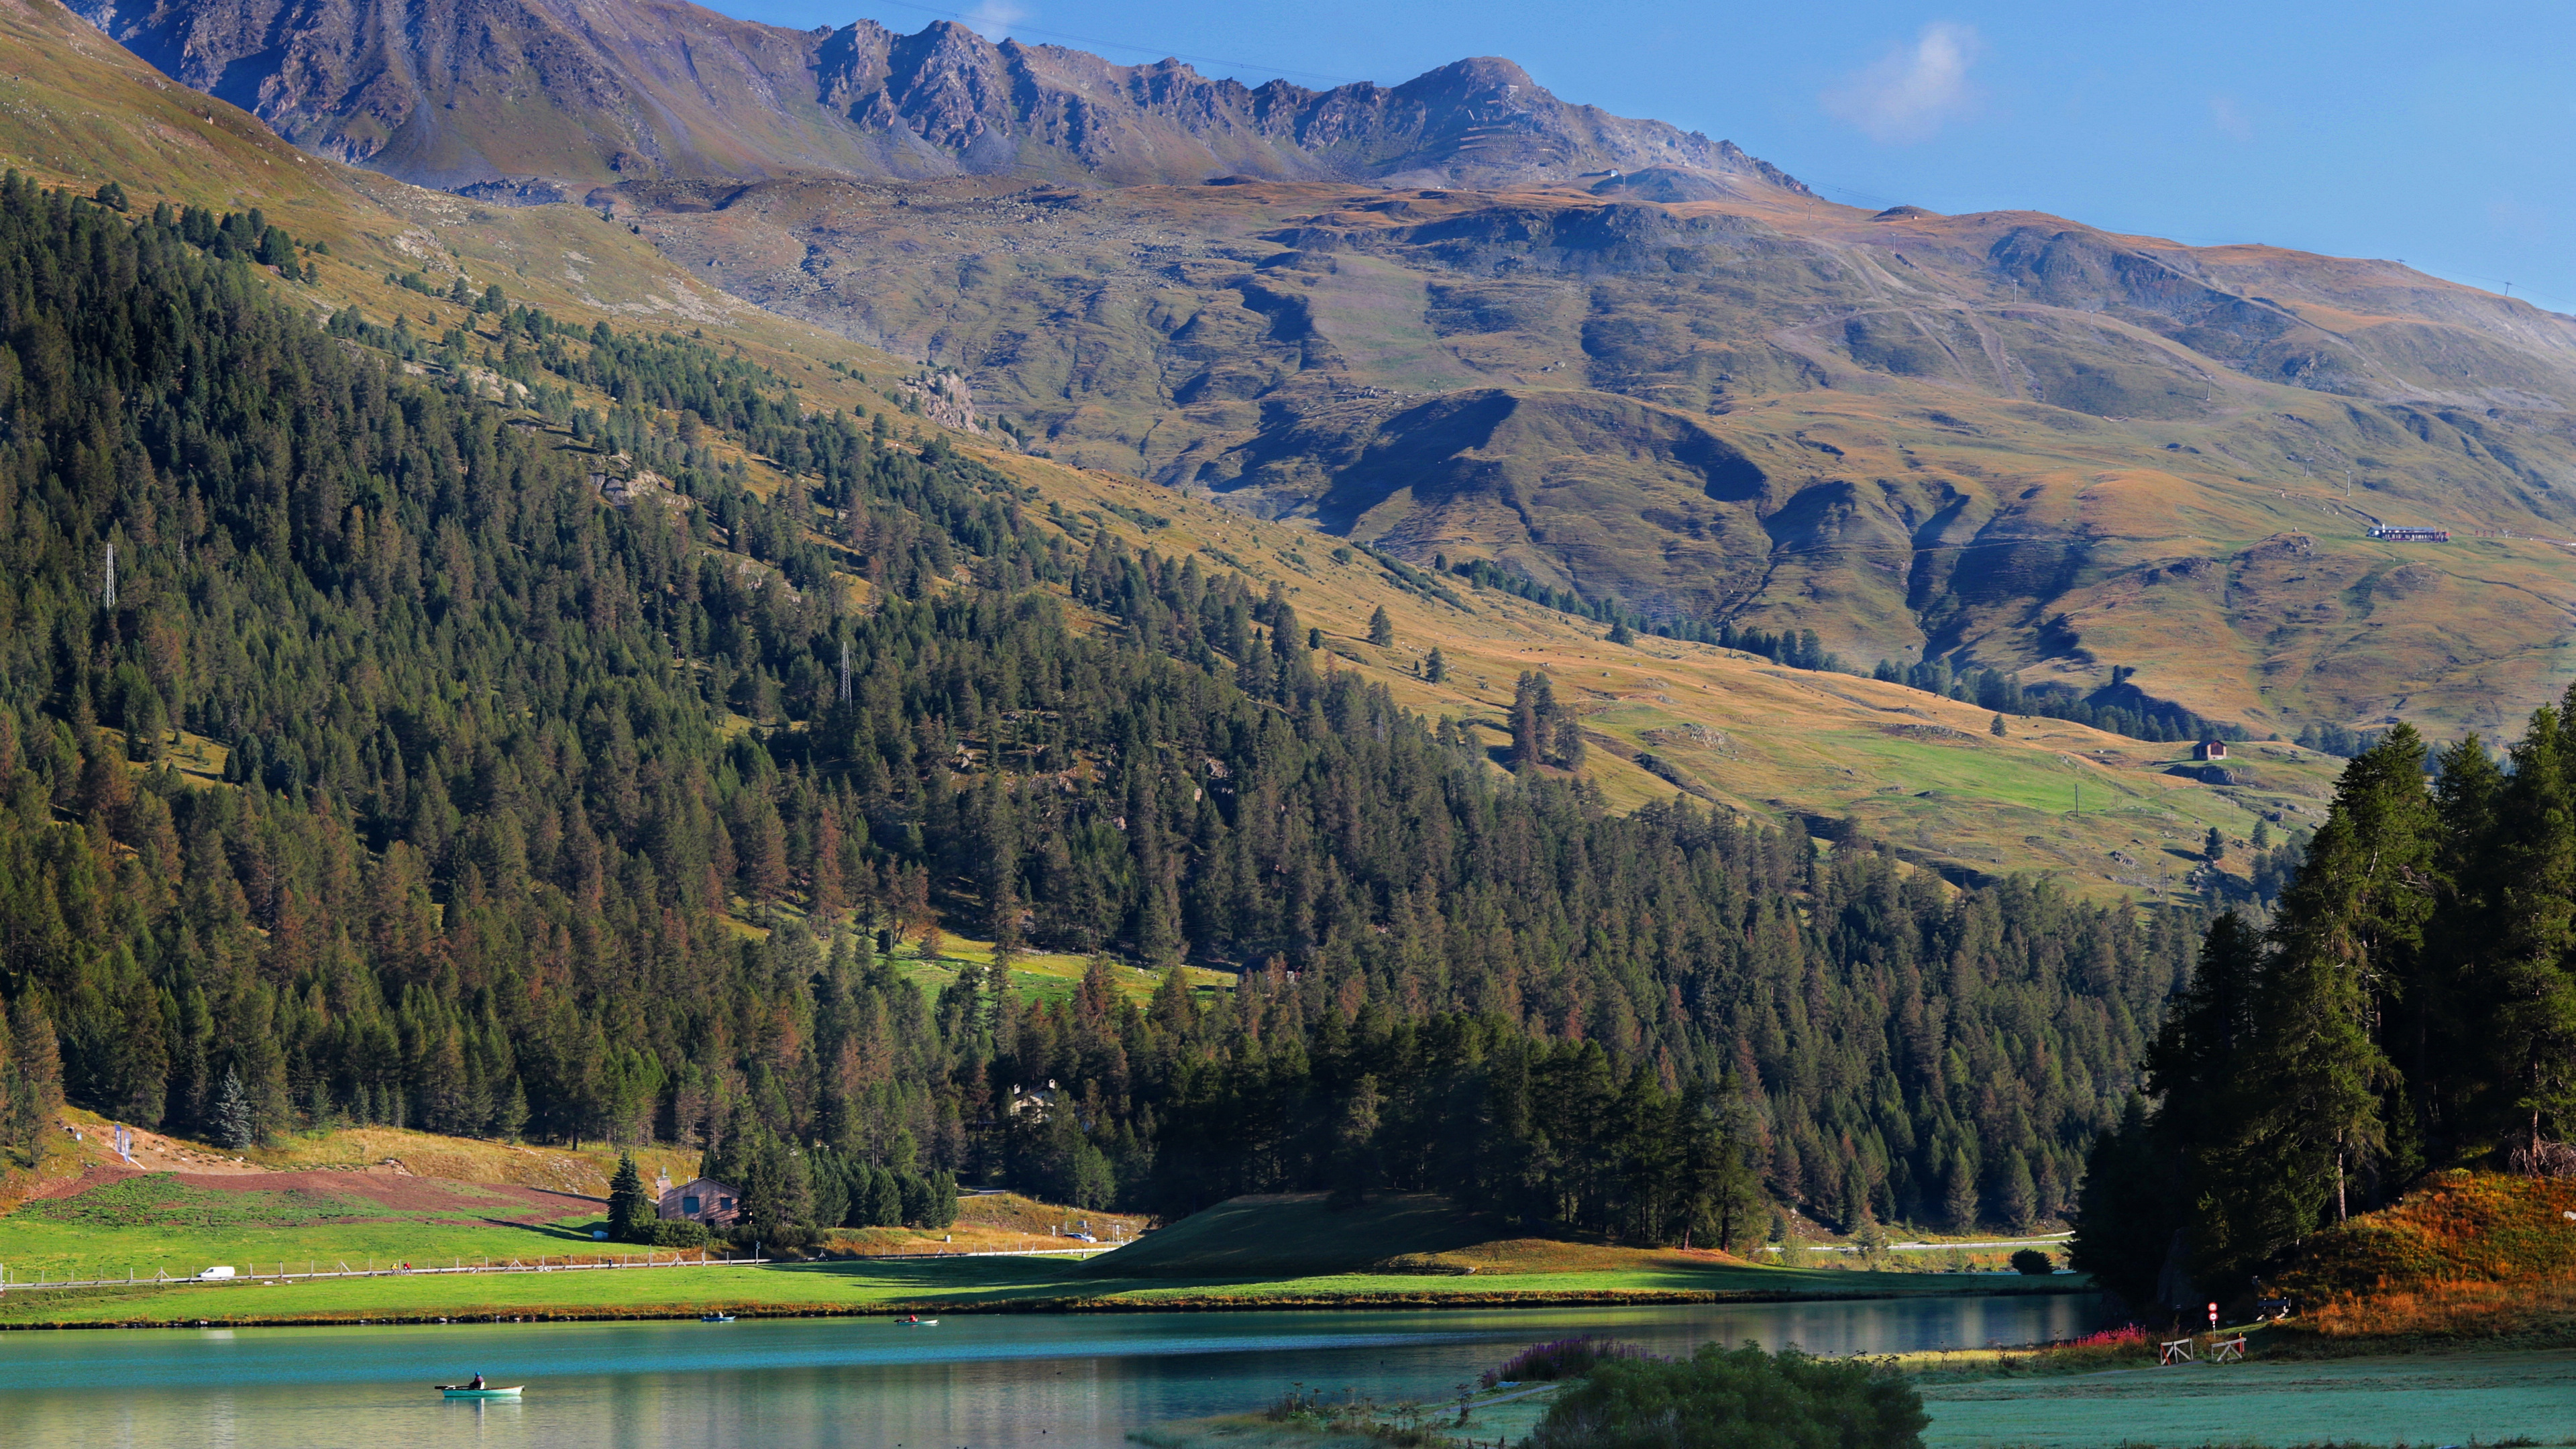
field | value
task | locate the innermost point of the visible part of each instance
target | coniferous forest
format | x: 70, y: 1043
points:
x: 549, y: 813
x: 2410, y: 1006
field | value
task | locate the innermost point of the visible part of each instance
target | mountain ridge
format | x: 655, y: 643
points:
x: 526, y: 98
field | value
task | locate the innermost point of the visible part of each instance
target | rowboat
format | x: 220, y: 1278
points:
x: 460, y: 1391
x: 715, y: 1318
x: 916, y: 1323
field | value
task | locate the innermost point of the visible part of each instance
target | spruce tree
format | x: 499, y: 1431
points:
x: 37, y: 1098
x: 2531, y: 980
x: 628, y: 1210
x: 1381, y: 629
x: 233, y: 1123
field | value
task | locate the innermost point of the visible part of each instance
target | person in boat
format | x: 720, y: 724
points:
x: 478, y: 1382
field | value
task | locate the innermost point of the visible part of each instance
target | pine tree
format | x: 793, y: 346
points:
x: 1381, y: 629
x: 233, y: 1123
x: 1435, y: 667
x: 2531, y: 981
x: 1996, y: 727
x: 2016, y: 1194
x: 629, y: 1214
x: 37, y: 1063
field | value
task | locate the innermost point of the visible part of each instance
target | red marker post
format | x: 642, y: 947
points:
x: 2213, y: 1318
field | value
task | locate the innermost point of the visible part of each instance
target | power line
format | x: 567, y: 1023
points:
x: 1016, y: 29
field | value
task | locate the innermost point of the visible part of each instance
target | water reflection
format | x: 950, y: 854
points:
x: 1005, y: 1381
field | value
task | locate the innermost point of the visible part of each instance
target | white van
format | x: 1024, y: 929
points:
x: 214, y: 1275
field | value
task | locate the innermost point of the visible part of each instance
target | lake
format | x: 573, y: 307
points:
x: 998, y: 1381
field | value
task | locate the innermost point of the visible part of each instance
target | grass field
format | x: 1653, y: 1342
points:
x: 2425, y: 1399
x: 162, y: 1223
x: 1300, y: 1235
x: 932, y: 1285
x: 2429, y: 1399
x: 346, y: 1201
x: 1044, y: 976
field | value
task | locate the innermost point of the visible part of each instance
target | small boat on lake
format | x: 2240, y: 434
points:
x: 715, y: 1318
x: 916, y: 1321
x: 468, y: 1391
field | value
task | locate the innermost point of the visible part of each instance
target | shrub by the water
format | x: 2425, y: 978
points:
x: 1740, y: 1398
x: 2032, y: 1262
x: 1565, y: 1358
x: 1308, y: 1409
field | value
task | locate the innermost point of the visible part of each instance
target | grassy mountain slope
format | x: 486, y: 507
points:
x: 2003, y: 438
x: 76, y: 109
x: 1919, y: 772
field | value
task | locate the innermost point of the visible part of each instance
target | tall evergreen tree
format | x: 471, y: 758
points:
x: 234, y: 1123
x: 630, y: 1212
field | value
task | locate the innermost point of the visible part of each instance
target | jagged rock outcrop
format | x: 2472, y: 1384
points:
x: 520, y: 97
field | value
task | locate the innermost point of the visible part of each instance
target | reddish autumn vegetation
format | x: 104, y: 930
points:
x: 2465, y: 1255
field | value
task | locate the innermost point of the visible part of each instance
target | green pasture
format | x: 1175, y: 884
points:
x: 950, y: 1285
x: 154, y: 1222
x: 1298, y: 1237
x: 1043, y: 976
x: 1242, y: 1254
x: 2420, y: 1399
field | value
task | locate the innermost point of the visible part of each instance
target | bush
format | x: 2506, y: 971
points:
x: 1742, y: 1399
x: 1566, y: 1358
x: 678, y: 1233
x: 2033, y: 1263
x: 785, y: 1235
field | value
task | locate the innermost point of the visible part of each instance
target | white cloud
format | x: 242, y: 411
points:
x: 993, y: 19
x: 2230, y: 118
x: 1908, y: 94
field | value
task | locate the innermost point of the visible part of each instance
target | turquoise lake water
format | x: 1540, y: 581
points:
x: 998, y: 1381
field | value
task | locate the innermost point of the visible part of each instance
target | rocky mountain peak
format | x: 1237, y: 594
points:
x: 527, y: 97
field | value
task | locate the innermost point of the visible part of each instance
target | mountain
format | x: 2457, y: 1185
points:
x: 1465, y: 321
x: 2006, y: 440
x: 526, y: 98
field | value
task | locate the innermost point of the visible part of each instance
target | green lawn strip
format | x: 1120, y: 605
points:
x: 1645, y: 1284
x: 2413, y: 1398
x: 154, y: 1223
x: 951, y: 1285
x: 589, y: 1292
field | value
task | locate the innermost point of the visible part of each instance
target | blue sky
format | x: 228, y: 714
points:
x: 2441, y: 134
